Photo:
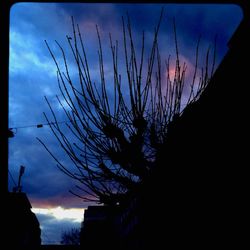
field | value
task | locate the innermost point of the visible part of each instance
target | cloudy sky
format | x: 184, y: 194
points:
x: 32, y: 75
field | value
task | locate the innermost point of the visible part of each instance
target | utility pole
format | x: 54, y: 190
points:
x: 21, y: 172
x: 18, y: 188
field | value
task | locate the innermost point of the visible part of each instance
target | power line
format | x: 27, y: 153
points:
x: 39, y: 125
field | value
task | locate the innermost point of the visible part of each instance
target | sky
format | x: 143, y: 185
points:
x: 32, y: 75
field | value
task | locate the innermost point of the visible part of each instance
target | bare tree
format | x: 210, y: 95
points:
x: 71, y: 237
x: 112, y: 140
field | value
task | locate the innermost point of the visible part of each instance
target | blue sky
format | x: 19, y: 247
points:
x: 32, y: 75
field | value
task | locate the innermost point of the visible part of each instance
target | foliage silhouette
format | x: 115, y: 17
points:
x: 112, y: 140
x: 71, y: 237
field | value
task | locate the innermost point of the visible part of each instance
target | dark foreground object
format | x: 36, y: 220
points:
x: 196, y: 197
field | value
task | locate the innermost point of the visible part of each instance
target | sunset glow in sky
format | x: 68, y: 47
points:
x: 59, y: 213
x: 32, y: 75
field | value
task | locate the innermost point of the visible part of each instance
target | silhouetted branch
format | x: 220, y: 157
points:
x: 112, y: 143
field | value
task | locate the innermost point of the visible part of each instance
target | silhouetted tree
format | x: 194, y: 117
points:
x: 112, y: 139
x: 71, y: 237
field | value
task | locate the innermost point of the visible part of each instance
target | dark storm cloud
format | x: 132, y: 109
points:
x: 40, y: 20
x: 206, y: 21
x: 32, y: 71
x: 41, y: 178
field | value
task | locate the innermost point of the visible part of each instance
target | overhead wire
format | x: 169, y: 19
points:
x: 40, y: 125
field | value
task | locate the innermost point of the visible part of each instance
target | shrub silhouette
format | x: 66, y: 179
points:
x: 71, y: 237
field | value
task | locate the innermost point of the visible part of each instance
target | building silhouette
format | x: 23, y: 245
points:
x: 98, y: 228
x: 21, y: 227
x: 196, y: 197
